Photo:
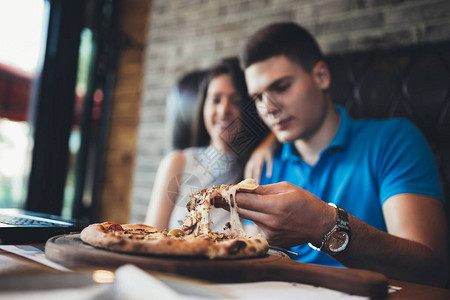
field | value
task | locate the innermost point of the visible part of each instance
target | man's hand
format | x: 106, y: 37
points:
x: 287, y: 214
x: 414, y: 249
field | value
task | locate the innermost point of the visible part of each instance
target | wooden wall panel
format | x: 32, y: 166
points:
x: 122, y: 141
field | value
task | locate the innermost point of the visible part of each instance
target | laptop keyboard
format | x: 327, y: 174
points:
x: 13, y: 220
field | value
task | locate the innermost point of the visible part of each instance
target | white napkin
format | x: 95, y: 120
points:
x: 133, y: 283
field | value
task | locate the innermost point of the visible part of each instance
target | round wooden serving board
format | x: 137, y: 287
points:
x: 70, y: 251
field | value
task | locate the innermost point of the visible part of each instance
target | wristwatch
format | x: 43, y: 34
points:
x: 338, y: 238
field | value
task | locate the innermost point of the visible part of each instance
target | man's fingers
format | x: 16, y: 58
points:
x: 245, y: 200
x: 272, y: 189
x: 257, y: 199
x: 255, y: 202
x: 255, y: 216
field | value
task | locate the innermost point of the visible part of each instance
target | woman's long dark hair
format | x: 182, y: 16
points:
x: 252, y: 129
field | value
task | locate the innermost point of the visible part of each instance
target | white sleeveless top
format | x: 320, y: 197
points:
x: 204, y: 167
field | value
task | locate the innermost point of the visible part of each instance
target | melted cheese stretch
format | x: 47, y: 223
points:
x: 204, y: 225
x: 236, y: 226
x: 200, y: 216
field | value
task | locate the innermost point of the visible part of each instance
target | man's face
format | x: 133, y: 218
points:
x: 289, y: 100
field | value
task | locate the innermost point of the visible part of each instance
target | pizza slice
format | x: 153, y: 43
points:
x: 198, y: 220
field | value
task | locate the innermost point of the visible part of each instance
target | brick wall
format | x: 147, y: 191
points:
x: 189, y: 34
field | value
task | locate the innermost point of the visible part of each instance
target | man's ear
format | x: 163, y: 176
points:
x: 321, y: 75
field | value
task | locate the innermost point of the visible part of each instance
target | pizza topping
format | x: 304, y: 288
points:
x: 176, y: 233
x: 227, y: 226
x: 110, y: 227
x: 189, y: 224
x: 198, y: 220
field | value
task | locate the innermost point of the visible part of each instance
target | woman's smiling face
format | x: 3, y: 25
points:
x: 221, y: 111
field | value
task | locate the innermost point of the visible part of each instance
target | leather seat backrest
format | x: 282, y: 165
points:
x: 411, y: 82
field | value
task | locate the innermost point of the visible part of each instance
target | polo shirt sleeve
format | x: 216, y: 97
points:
x: 406, y: 163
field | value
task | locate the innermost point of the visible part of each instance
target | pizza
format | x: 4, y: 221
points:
x: 194, y: 238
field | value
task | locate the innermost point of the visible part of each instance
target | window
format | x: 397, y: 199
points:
x: 61, y: 130
x: 21, y: 51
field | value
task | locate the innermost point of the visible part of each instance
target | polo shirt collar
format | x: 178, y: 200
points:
x: 288, y: 151
x: 344, y: 134
x: 340, y: 140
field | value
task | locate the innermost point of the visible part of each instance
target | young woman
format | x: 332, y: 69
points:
x: 225, y: 131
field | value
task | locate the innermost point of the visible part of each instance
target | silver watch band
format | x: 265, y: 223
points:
x: 342, y: 223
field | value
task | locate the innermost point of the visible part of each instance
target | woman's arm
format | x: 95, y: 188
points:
x: 165, y: 190
x: 263, y: 153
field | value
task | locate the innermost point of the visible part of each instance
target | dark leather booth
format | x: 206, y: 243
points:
x: 412, y: 82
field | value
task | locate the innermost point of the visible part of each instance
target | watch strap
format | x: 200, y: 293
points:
x: 342, y: 224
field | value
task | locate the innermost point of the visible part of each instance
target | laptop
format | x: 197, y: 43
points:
x: 19, y: 226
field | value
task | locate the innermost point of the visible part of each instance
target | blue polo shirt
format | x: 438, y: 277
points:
x: 367, y: 162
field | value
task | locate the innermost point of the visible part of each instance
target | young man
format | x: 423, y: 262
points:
x: 381, y: 174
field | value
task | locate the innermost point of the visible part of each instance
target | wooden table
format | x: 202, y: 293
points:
x: 14, y: 265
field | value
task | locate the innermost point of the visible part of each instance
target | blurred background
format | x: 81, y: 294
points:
x: 83, y: 84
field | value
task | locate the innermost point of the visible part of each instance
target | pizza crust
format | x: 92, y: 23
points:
x: 239, y: 248
x: 247, y: 185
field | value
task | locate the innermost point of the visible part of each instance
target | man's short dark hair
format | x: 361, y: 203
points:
x: 289, y: 39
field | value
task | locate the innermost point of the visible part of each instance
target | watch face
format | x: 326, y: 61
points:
x: 338, y: 241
